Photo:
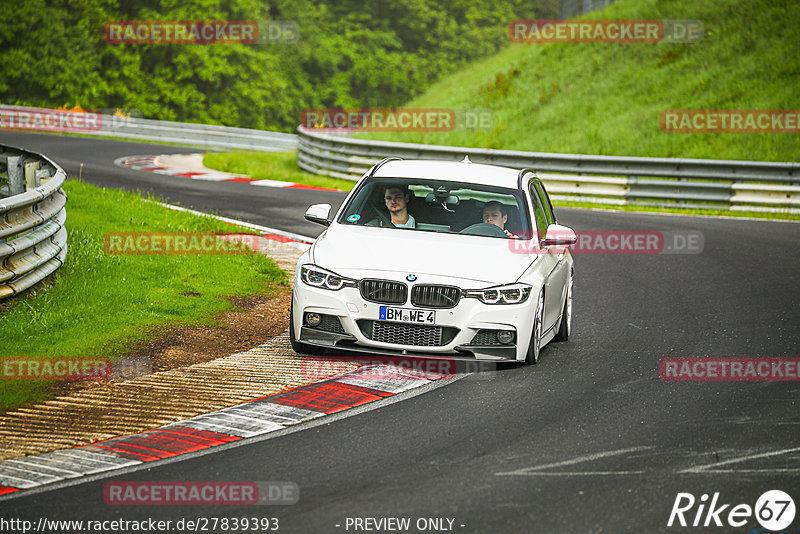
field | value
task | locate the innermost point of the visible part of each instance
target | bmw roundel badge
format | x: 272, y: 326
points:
x: 411, y: 277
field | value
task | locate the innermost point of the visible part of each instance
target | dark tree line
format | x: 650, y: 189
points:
x: 349, y: 54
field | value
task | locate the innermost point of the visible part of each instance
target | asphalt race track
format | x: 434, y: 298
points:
x: 268, y: 206
x: 589, y: 440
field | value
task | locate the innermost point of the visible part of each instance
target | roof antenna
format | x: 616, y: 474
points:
x: 466, y: 160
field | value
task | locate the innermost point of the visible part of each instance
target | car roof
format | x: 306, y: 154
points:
x: 450, y: 171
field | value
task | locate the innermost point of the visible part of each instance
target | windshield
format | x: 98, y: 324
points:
x: 438, y: 206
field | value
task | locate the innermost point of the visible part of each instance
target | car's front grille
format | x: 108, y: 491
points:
x: 485, y: 338
x: 383, y: 291
x: 407, y: 334
x: 435, y: 296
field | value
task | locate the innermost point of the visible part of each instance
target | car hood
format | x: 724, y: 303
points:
x: 354, y: 250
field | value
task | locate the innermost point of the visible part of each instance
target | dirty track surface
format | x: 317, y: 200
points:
x: 125, y: 407
x: 195, y: 370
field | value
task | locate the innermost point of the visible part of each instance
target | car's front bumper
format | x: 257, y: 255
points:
x: 463, y: 322
x: 320, y: 338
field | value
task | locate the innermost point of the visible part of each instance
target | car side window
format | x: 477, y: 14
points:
x: 538, y: 212
x: 547, y: 206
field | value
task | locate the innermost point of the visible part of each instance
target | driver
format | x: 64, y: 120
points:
x: 396, y: 200
x: 495, y: 213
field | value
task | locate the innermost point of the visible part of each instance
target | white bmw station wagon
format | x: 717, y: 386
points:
x: 436, y: 259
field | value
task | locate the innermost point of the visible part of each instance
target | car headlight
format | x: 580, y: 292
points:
x: 507, y: 294
x: 319, y: 277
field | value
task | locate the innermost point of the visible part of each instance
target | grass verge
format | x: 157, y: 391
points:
x: 99, y: 305
x: 280, y: 166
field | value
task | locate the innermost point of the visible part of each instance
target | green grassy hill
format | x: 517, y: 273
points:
x: 598, y: 98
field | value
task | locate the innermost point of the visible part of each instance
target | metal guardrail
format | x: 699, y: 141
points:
x: 206, y: 135
x: 670, y: 182
x: 33, y: 239
x: 199, y: 134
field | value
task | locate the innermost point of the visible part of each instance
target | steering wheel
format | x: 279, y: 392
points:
x: 484, y: 229
x: 381, y: 217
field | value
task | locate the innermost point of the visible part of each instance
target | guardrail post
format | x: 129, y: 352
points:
x: 42, y: 174
x: 15, y: 184
x: 31, y: 179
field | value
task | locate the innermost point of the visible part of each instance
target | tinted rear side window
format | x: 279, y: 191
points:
x: 538, y: 212
x: 547, y: 206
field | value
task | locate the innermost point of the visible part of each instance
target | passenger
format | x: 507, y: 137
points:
x: 496, y: 213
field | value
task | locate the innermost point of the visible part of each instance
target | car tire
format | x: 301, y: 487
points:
x: 565, y: 328
x: 535, y: 344
x: 297, y: 346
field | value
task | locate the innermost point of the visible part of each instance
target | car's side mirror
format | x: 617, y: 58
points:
x: 318, y: 213
x: 559, y: 235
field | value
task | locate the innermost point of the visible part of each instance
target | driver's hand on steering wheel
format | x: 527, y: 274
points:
x: 509, y: 234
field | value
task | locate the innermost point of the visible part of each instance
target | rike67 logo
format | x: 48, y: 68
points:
x: 774, y: 510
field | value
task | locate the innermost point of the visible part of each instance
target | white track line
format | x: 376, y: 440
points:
x: 712, y: 467
x: 579, y: 459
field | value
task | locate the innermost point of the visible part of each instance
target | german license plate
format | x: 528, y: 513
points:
x: 407, y: 315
